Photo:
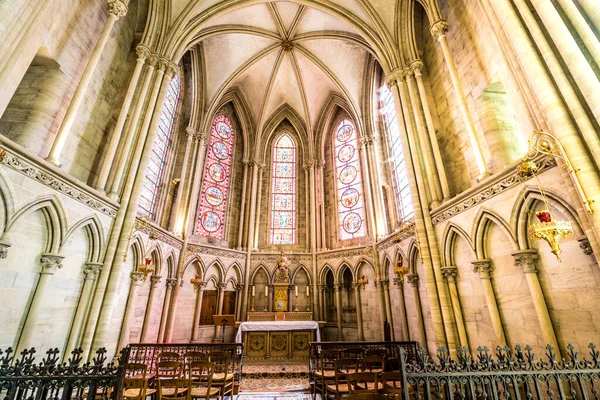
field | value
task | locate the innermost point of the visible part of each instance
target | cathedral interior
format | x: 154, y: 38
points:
x: 403, y: 170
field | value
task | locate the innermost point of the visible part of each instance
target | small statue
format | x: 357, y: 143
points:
x: 281, y: 273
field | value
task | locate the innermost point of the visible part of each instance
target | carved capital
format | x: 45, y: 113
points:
x: 198, y: 284
x: 385, y: 284
x: 50, y: 263
x: 136, y: 278
x: 416, y: 67
x: 239, y: 286
x: 221, y: 285
x: 338, y: 286
x: 170, y: 67
x: 526, y: 259
x: 413, y: 279
x: 368, y: 140
x: 170, y: 283
x: 393, y: 77
x: 201, y: 137
x: 450, y: 273
x: 117, y: 7
x: 246, y: 161
x: 4, y: 245
x: 584, y: 244
x: 155, y: 280
x: 399, y: 282
x: 484, y: 268
x: 91, y: 270
x: 190, y: 132
x: 407, y: 73
x: 143, y: 52
x: 439, y: 29
x: 153, y: 60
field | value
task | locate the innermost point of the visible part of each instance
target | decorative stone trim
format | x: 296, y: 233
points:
x: 4, y: 245
x: 272, y: 257
x: 359, y: 251
x: 526, y: 259
x: 91, y: 270
x: 170, y: 283
x: 584, y: 244
x: 484, y: 268
x: 198, y: 250
x: 413, y: 279
x: 158, y: 233
x: 449, y: 273
x: 50, y: 263
x: 54, y: 181
x: 501, y: 183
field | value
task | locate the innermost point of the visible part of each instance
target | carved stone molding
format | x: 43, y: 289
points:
x: 449, y: 273
x: 50, y: 263
x: 399, y: 282
x: 584, y: 244
x: 91, y: 270
x: 170, y: 283
x: 4, y: 245
x: 361, y: 251
x: 143, y: 52
x: 198, y: 285
x: 199, y: 250
x: 155, y: 280
x: 527, y: 259
x: 484, y: 268
x: 117, y: 7
x: 413, y: 279
x: 439, y: 29
x: 136, y: 278
x: 393, y: 77
x: 158, y: 233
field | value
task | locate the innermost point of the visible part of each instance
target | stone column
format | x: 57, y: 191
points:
x: 270, y: 298
x: 154, y: 281
x: 136, y: 282
x: 251, y: 299
x: 170, y: 284
x: 313, y: 229
x: 290, y: 298
x: 450, y: 273
x: 116, y: 10
x: 322, y: 306
x: 173, y: 307
x: 359, y: 321
x: 338, y: 306
x: 584, y: 30
x: 90, y: 273
x: 417, y: 67
x: 251, y: 221
x: 374, y: 187
x: 321, y: 206
x: 143, y: 53
x: 439, y: 30
x: 261, y: 168
x: 399, y: 282
x: 199, y: 288
x: 484, y: 268
x: 385, y: 285
x: 238, y: 301
x: 177, y: 210
x: 243, y: 209
x: 50, y: 263
x: 592, y: 10
x: 413, y: 280
x: 527, y: 259
x: 221, y: 296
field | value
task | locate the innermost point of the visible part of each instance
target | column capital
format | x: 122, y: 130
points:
x: 201, y: 137
x: 526, y: 259
x: 143, y: 52
x: 4, y: 245
x: 239, y: 286
x: 584, y: 244
x: 416, y: 67
x: 368, y: 139
x: 246, y: 162
x: 91, y: 270
x: 190, y: 133
x: 399, y: 282
x: 117, y: 7
x: 413, y: 279
x: 484, y: 268
x: 169, y: 67
x: 393, y: 77
x: 170, y: 283
x: 338, y: 286
x: 385, y: 283
x: 450, y: 273
x: 439, y: 29
x: 155, y: 280
x: 221, y: 285
x: 407, y: 73
x: 358, y: 285
x: 136, y: 278
x: 153, y: 60
x: 50, y: 263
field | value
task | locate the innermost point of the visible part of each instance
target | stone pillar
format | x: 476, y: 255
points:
x: 484, y: 268
x: 385, y: 285
x: 322, y: 306
x: 49, y: 263
x: 270, y: 298
x: 584, y: 30
x: 439, y: 30
x: 261, y: 168
x: 290, y: 298
x: 90, y: 273
x: 177, y: 210
x: 450, y: 273
x: 199, y: 288
x: 527, y: 259
x: 416, y: 67
x: 252, y: 299
x: 154, y: 281
x: 136, y: 282
x: 413, y: 280
x: 374, y: 188
x: 243, y: 209
x: 359, y: 321
x: 173, y: 307
x: 238, y: 301
x: 170, y: 284
x: 338, y: 306
x: 116, y: 10
x: 143, y: 53
x: 399, y: 282
x: 251, y: 221
x: 221, y: 296
x: 313, y: 229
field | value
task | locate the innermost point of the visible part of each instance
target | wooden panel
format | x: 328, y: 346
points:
x: 209, y: 303
x: 229, y: 302
x: 300, y: 343
x: 279, y: 344
x: 256, y: 344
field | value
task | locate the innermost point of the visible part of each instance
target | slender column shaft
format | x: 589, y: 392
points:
x: 250, y: 229
x: 322, y: 306
x: 50, y: 263
x: 413, y: 280
x: 399, y: 282
x: 258, y: 210
x: 450, y: 273
x: 439, y: 30
x: 143, y: 53
x: 313, y: 232
x: 179, y: 211
x: 376, y: 195
x: 136, y: 281
x: 175, y: 295
x: 592, y: 11
x: 484, y: 268
x: 199, y: 288
x: 584, y: 30
x: 116, y: 10
x: 321, y: 205
x: 243, y: 207
x: 154, y: 281
x: 359, y: 321
x: 338, y: 306
x: 165, y: 309
x: 388, y: 309
x: 90, y: 271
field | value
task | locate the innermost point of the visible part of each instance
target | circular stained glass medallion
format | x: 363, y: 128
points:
x: 352, y: 223
x: 217, y: 172
x: 210, y: 221
x: 349, y: 198
x: 348, y: 174
x: 346, y: 153
x: 220, y: 150
x: 223, y: 130
x: 344, y: 133
x: 214, y: 196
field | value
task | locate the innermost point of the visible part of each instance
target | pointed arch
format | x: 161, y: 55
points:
x: 399, y: 256
x: 137, y: 250
x: 386, y: 264
x: 413, y: 253
x: 284, y: 113
x: 237, y: 271
x: 95, y: 233
x: 451, y: 232
x: 325, y: 121
x: 364, y: 262
x: 299, y: 268
x: 7, y: 199
x: 218, y: 266
x: 171, y: 266
x: 157, y: 249
x: 339, y: 276
x: 261, y: 267
x: 481, y: 225
x: 323, y: 275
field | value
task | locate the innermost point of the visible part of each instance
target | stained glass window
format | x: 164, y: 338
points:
x: 399, y: 172
x: 283, y: 197
x: 160, y: 147
x: 213, y: 201
x: 349, y: 182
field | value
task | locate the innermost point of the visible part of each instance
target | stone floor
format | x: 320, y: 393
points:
x: 275, y: 378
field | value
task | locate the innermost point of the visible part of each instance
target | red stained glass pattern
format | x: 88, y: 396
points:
x: 160, y: 147
x: 283, y: 200
x: 215, y: 187
x: 349, y: 182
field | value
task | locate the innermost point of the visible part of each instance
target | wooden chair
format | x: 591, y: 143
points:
x: 201, y: 375
x: 391, y: 383
x: 343, y: 368
x: 167, y: 356
x: 377, y: 352
x: 368, y: 396
x: 190, y: 357
x: 136, y: 389
x: 353, y: 352
x: 222, y: 377
x: 326, y: 374
x: 363, y: 382
x: 373, y: 363
x: 168, y: 369
x: 173, y: 388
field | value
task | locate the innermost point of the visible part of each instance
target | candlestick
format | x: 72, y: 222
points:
x: 253, y: 288
x: 296, y: 291
x: 307, y: 291
x: 266, y: 291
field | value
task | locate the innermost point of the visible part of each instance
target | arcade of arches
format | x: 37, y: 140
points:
x: 160, y: 155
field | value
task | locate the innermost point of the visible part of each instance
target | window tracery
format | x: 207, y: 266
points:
x: 283, y: 193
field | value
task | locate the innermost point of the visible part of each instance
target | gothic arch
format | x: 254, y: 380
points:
x: 298, y: 269
x: 171, y: 266
x: 399, y: 255
x: 156, y: 248
x: 413, y: 253
x: 137, y: 250
x: 218, y: 265
x: 156, y: 255
x: 7, y: 199
x: 386, y: 265
x: 281, y: 114
x: 199, y: 265
x: 339, y: 270
x: 322, y: 276
x: 95, y: 234
x: 481, y: 224
x: 261, y: 267
x: 449, y: 236
x: 237, y: 271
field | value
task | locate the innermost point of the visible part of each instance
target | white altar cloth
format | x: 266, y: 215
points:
x: 261, y: 326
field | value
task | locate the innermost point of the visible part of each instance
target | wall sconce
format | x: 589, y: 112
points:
x: 363, y: 280
x: 146, y: 268
x: 196, y: 281
x: 400, y: 270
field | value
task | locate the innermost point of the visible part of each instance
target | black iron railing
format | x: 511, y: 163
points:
x: 21, y: 378
x: 506, y: 374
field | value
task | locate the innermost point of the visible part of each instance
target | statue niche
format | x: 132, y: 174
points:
x: 281, y: 283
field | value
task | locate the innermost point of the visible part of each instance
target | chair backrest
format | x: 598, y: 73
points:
x: 192, y: 356
x: 353, y: 352
x: 392, y: 382
x: 136, y: 370
x: 344, y: 367
x: 327, y: 359
x: 167, y: 356
x: 202, y: 372
x: 138, y: 385
x: 377, y: 352
x: 221, y: 360
x: 373, y: 363
x: 168, y: 369
x: 364, y: 382
x: 179, y: 389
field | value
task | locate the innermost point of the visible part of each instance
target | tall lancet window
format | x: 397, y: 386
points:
x: 160, y: 148
x: 399, y: 172
x: 283, y: 197
x: 213, y: 203
x: 349, y: 183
